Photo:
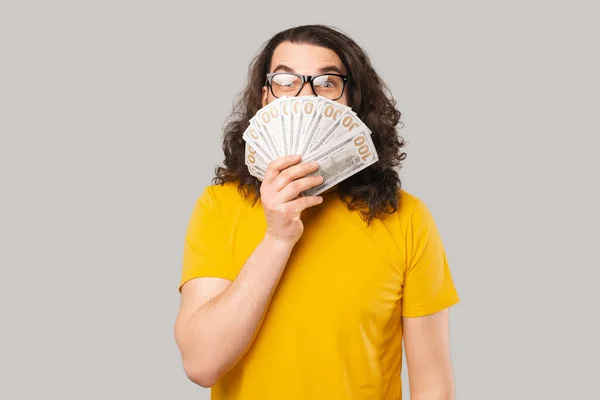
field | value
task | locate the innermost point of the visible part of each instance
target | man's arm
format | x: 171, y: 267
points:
x: 218, y: 319
x: 428, y: 357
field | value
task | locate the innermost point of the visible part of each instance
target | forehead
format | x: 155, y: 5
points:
x: 305, y: 59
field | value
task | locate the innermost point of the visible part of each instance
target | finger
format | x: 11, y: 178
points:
x: 276, y: 166
x: 298, y: 186
x: 303, y: 203
x: 292, y: 173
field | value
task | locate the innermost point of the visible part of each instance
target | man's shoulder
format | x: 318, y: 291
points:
x: 225, y: 190
x: 410, y: 206
x: 414, y: 210
x: 224, y: 195
x: 408, y: 202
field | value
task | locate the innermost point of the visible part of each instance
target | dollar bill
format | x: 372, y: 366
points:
x: 342, y: 159
x: 307, y: 109
x: 309, y: 122
x: 328, y: 113
x: 285, y: 112
x: 268, y: 120
x: 257, y: 172
x: 295, y: 121
x: 257, y: 165
x: 341, y: 127
x: 259, y: 141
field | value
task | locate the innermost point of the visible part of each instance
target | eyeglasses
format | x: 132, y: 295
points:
x: 291, y: 84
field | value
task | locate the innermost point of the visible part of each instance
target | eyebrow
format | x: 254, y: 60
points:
x: 323, y: 70
x: 330, y: 68
x: 281, y: 67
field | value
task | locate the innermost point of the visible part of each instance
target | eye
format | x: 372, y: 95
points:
x: 285, y: 80
x: 327, y: 81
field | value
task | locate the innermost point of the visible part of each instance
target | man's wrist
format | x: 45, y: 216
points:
x: 277, y: 243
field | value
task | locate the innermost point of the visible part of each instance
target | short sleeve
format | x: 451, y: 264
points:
x: 428, y: 286
x: 204, y: 247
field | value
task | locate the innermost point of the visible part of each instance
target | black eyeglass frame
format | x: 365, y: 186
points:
x: 305, y: 79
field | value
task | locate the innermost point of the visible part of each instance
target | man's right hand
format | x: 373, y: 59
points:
x: 284, y: 180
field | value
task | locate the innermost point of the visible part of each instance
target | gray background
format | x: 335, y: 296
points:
x: 110, y: 121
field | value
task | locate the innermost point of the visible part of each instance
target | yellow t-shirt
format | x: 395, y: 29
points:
x: 334, y: 327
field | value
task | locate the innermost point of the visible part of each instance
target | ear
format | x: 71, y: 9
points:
x: 265, y: 96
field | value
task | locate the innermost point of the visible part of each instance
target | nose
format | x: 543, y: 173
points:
x: 306, y: 90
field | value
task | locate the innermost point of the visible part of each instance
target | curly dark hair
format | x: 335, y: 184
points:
x: 374, y: 190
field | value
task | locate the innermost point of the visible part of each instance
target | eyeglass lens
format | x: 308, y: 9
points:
x: 329, y: 86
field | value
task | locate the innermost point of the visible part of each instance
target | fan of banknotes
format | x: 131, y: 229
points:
x: 315, y: 127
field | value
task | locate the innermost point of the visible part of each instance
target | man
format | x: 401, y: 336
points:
x: 309, y: 297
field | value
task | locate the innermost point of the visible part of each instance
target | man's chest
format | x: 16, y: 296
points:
x: 340, y: 270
